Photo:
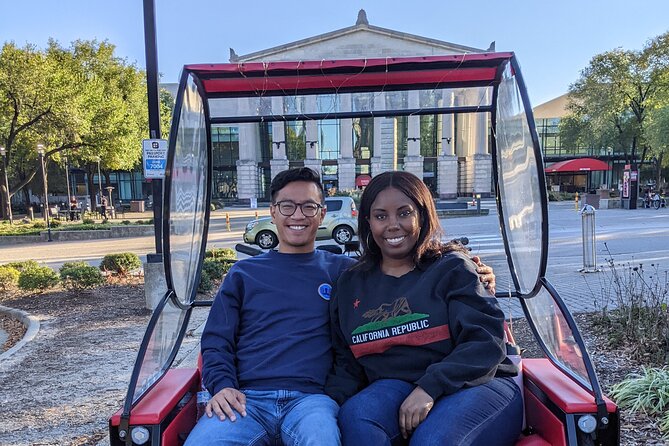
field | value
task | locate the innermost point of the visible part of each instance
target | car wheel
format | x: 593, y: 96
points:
x: 342, y: 234
x: 267, y: 240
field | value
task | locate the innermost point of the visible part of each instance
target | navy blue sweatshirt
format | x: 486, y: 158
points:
x: 268, y: 328
x: 436, y: 327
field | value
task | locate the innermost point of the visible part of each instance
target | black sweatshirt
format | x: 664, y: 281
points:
x: 436, y: 327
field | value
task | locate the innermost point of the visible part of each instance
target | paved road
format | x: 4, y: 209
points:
x: 634, y: 236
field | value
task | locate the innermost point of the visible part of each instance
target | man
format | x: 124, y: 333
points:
x: 266, y: 345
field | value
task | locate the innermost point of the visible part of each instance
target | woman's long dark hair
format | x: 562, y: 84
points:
x: 429, y: 245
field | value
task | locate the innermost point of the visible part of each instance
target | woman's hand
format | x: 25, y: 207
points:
x: 414, y: 410
x: 486, y: 275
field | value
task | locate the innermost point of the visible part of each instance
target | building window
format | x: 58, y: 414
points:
x: 265, y: 129
x: 428, y: 135
x: 296, y: 140
x: 225, y: 145
x: 328, y: 139
x: 401, y: 134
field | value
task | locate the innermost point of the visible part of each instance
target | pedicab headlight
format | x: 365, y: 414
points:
x: 139, y: 435
x: 587, y: 424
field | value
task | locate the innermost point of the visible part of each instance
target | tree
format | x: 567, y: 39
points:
x: 611, y: 101
x: 34, y: 96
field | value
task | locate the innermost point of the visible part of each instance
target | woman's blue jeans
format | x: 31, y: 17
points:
x: 280, y: 417
x: 485, y: 415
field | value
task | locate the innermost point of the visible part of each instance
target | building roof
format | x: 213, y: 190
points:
x: 555, y: 108
x: 361, y: 26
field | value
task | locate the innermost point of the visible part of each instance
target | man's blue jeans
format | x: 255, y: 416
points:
x: 273, y: 417
x: 489, y: 414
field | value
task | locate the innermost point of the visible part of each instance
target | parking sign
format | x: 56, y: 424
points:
x: 154, y: 156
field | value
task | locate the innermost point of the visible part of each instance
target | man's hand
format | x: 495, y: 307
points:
x: 223, y: 403
x: 414, y: 410
x: 486, y: 275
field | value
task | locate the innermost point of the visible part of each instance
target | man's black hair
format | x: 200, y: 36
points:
x: 298, y: 174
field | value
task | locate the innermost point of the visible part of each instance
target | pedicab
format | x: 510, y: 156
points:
x: 564, y: 404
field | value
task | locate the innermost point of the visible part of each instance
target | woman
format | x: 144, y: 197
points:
x: 413, y: 320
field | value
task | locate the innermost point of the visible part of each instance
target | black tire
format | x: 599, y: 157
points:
x: 656, y: 204
x: 342, y: 234
x: 267, y: 239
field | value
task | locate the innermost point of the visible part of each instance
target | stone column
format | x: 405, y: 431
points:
x: 447, y: 163
x: 413, y: 162
x: 346, y: 162
x: 279, y: 161
x: 313, y: 159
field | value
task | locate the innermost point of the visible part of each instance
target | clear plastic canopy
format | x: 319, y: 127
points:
x: 484, y: 83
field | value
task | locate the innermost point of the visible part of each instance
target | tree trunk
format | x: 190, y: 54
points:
x: 91, y: 186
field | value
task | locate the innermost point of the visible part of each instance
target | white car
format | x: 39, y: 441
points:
x: 340, y: 224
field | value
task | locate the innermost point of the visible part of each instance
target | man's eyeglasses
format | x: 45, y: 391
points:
x: 288, y: 208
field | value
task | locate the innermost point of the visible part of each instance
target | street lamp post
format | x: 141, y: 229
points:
x: 111, y: 204
x: 97, y: 159
x: 8, y: 203
x: 40, y: 152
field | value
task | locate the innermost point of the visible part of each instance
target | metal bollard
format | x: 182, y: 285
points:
x: 31, y: 215
x: 227, y: 221
x: 588, y: 234
x: 576, y: 202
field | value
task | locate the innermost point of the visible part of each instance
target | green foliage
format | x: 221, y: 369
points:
x: 80, y: 275
x: 216, y: 264
x: 221, y: 254
x: 23, y: 265
x: 38, y: 278
x: 617, y: 103
x: 639, y: 298
x: 88, y: 221
x: 206, y: 283
x: 646, y: 392
x: 355, y: 194
x: 9, y: 277
x: 55, y: 223
x: 121, y: 263
x: 126, y: 222
x: 38, y: 224
x: 212, y: 207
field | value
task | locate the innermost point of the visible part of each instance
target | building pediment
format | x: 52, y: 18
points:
x: 359, y: 41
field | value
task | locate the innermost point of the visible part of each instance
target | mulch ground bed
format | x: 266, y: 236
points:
x: 61, y: 388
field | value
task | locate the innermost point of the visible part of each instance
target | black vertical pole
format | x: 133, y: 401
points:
x: 151, y: 51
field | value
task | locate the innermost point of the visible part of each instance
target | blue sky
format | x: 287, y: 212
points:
x: 553, y: 40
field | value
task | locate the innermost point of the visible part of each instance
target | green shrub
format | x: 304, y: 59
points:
x: 215, y: 269
x: 55, y: 223
x: 23, y: 265
x: 39, y: 225
x: 126, y: 222
x: 206, y: 284
x: 9, y: 277
x: 212, y: 207
x: 88, y: 221
x: 121, y: 263
x: 647, y: 393
x: 80, y: 275
x: 221, y: 254
x: 38, y: 278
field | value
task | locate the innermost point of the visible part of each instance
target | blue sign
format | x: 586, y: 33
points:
x: 154, y: 153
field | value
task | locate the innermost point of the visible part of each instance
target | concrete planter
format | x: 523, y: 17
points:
x: 112, y: 232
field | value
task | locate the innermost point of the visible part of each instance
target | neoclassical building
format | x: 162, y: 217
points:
x: 450, y: 152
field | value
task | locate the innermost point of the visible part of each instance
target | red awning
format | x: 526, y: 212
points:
x: 577, y: 165
x: 250, y: 78
x: 362, y: 180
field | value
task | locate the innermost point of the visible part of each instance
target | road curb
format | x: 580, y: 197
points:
x: 32, y: 327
